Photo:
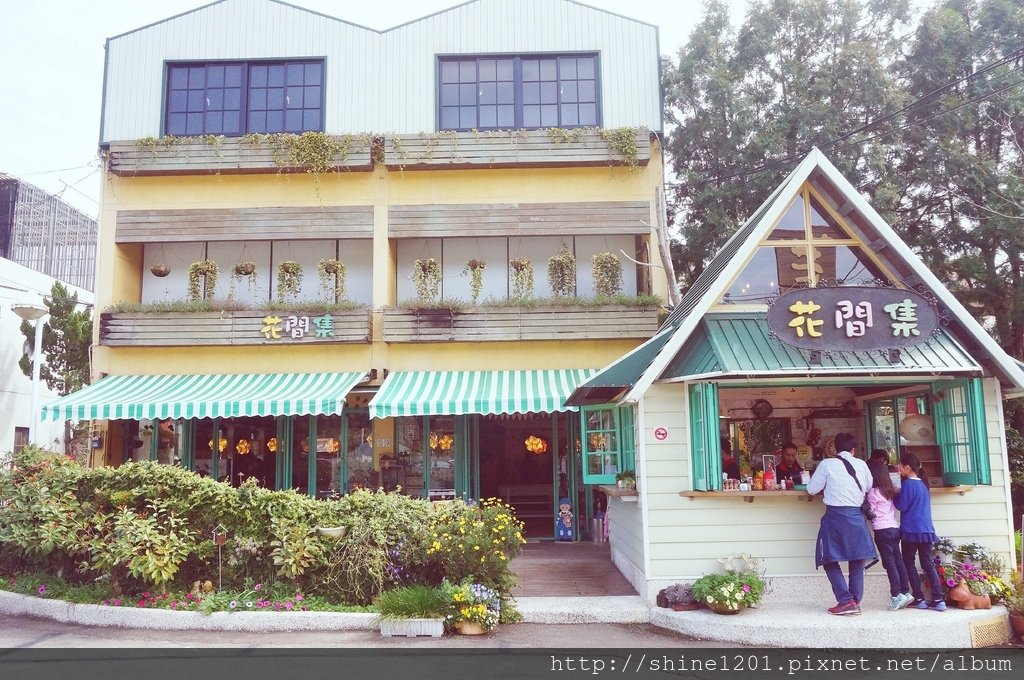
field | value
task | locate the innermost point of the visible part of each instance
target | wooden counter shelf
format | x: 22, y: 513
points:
x: 749, y: 496
x: 624, y: 495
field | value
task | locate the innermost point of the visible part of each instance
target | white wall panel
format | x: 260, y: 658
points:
x: 381, y: 81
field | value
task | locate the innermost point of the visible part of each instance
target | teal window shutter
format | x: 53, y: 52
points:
x: 628, y: 437
x: 599, y: 426
x: 959, y: 411
x: 979, y: 432
x: 704, y: 438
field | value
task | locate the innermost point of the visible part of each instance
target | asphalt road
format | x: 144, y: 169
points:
x: 28, y: 633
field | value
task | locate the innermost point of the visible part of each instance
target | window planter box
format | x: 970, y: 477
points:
x: 229, y: 155
x: 504, y: 149
x: 412, y: 627
x: 167, y: 329
x: 493, y: 324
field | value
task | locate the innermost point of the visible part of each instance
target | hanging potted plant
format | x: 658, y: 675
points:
x: 240, y: 270
x: 426, y: 278
x: 206, y: 270
x: 562, y: 273
x: 332, y: 278
x: 522, y: 278
x: 607, y: 274
x: 475, y: 270
x: 289, y: 280
x: 160, y: 270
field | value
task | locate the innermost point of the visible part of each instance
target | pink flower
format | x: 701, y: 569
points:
x: 746, y: 588
x: 298, y: 597
x: 258, y: 587
x: 117, y: 602
x: 288, y: 605
x: 42, y: 589
x: 142, y: 603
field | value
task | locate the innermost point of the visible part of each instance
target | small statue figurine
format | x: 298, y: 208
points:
x: 563, y: 522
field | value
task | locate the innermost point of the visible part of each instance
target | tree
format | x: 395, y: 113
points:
x: 67, y: 336
x: 747, y: 105
x: 962, y: 158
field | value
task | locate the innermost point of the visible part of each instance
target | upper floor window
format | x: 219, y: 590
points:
x: 235, y: 98
x: 518, y: 92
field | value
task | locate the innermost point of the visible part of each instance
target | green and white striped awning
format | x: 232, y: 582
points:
x: 423, y: 393
x: 135, y: 397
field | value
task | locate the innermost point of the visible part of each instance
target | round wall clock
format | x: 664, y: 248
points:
x: 762, y: 408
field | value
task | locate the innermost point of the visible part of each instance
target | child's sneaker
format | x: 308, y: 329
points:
x: 894, y: 602
x: 904, y: 600
x: 845, y: 609
x: 919, y: 604
x: 939, y: 606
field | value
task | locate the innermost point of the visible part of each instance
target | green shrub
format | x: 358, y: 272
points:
x: 412, y: 602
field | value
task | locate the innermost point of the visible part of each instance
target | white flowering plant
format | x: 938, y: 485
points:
x: 732, y: 590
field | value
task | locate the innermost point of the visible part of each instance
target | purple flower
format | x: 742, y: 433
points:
x: 746, y: 588
x: 42, y: 589
x: 950, y: 582
x: 233, y: 604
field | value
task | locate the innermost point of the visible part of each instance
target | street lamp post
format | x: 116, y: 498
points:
x: 31, y: 312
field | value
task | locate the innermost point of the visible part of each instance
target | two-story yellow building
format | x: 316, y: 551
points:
x: 324, y: 249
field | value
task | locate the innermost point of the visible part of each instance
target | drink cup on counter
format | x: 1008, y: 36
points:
x: 805, y: 477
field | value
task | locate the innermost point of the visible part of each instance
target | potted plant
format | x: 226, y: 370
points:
x: 412, y: 611
x: 679, y: 597
x: 607, y: 270
x: 944, y: 548
x: 206, y: 270
x: 289, y: 280
x: 475, y: 269
x: 472, y: 607
x: 1014, y: 603
x: 160, y: 270
x: 332, y: 278
x: 562, y: 273
x: 426, y: 278
x: 729, y: 592
x: 240, y: 270
x: 626, y: 479
x: 522, y: 278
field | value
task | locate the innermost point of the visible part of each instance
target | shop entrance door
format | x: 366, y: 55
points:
x: 519, y: 463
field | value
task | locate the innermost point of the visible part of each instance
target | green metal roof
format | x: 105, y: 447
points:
x: 418, y: 393
x: 741, y: 344
x: 135, y: 397
x: 605, y: 386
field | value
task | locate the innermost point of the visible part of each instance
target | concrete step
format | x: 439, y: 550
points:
x: 612, y: 609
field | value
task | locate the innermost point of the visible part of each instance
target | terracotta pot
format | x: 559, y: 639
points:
x: 1017, y: 623
x: 470, y: 628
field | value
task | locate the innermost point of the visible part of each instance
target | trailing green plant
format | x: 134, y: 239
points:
x: 426, y: 278
x: 522, y: 278
x: 412, y: 602
x: 172, y: 306
x: 332, y: 278
x: 564, y: 136
x: 623, y: 141
x: 562, y: 273
x: 475, y: 270
x: 244, y: 269
x: 313, y: 152
x: 289, y: 280
x: 607, y: 274
x: 531, y: 302
x: 206, y: 270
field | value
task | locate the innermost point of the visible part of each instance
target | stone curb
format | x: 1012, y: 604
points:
x: 163, y: 619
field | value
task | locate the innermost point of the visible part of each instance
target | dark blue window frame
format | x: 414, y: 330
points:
x: 234, y: 98
x: 529, y: 91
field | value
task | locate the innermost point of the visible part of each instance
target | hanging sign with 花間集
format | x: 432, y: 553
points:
x: 853, y: 318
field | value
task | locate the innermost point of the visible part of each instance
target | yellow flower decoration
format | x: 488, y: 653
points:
x: 221, y: 445
x: 272, y: 445
x: 242, y: 447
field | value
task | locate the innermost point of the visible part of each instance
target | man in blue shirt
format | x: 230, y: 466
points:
x: 844, y: 534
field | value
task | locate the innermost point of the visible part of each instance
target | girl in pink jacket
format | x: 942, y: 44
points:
x: 887, y: 534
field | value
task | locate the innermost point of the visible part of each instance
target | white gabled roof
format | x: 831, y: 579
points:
x: 735, y: 254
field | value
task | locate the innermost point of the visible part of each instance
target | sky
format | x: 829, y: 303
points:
x: 52, y: 73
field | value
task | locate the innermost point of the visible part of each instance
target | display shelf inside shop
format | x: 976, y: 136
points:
x: 624, y: 495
